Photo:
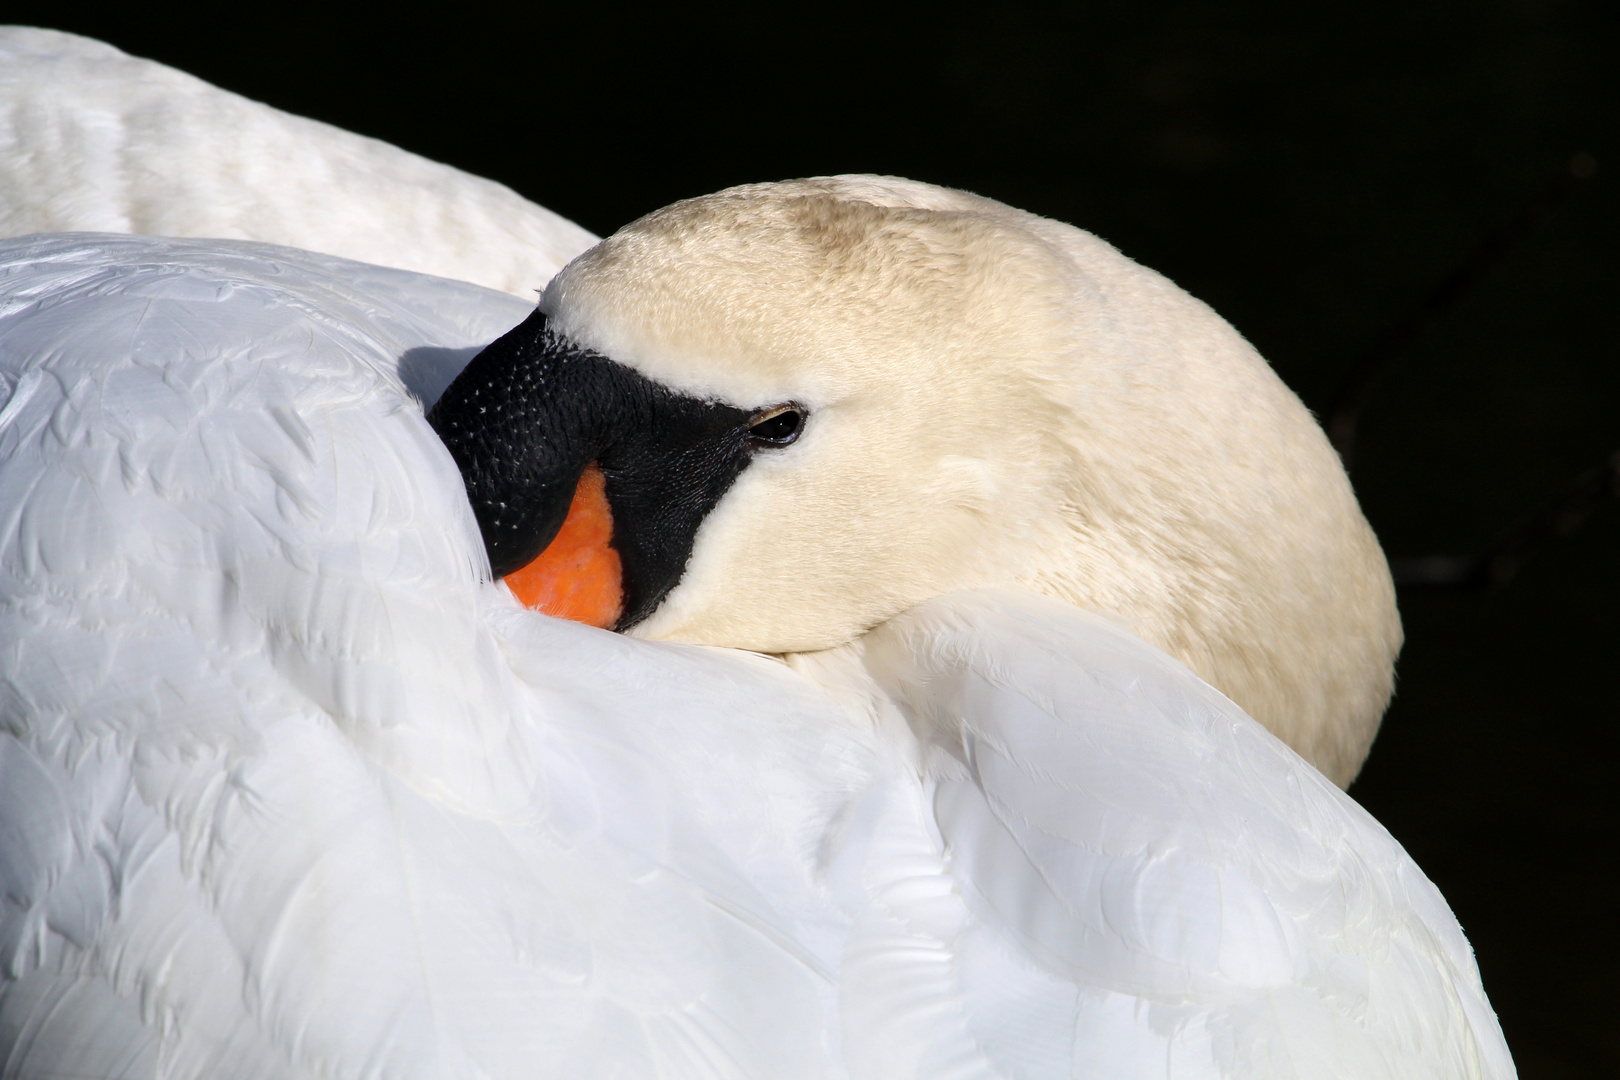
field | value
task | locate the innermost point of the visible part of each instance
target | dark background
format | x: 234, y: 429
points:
x: 1415, y: 198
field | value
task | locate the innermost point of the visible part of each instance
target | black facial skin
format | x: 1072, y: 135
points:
x: 526, y: 416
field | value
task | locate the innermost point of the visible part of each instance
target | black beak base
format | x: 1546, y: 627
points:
x: 531, y: 411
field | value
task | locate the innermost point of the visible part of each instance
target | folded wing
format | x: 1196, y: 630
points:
x: 1210, y: 901
x: 95, y: 140
x: 288, y: 787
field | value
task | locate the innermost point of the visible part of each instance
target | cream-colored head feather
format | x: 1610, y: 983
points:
x: 994, y: 399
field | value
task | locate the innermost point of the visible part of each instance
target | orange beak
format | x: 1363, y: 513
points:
x: 578, y: 576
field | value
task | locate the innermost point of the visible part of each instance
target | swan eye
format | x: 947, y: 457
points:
x: 776, y: 427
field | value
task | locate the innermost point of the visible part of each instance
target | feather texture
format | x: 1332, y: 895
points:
x: 289, y: 788
x: 92, y: 139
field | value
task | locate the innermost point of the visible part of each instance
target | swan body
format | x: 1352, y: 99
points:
x: 92, y: 139
x: 289, y: 787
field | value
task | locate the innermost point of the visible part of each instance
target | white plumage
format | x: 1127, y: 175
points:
x: 288, y: 789
x: 92, y: 139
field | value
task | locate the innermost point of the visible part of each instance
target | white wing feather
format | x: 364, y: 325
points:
x: 92, y: 139
x: 1217, y: 907
x: 289, y: 789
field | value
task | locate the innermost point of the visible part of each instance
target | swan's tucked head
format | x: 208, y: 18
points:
x: 977, y: 397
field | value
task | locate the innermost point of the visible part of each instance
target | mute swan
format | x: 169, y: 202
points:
x: 1233, y: 585
x: 290, y: 788
x: 286, y: 791
x: 987, y: 398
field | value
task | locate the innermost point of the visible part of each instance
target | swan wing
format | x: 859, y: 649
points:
x: 1151, y: 883
x: 287, y: 787
x: 92, y: 139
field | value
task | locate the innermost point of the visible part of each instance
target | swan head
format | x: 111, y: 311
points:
x: 899, y: 391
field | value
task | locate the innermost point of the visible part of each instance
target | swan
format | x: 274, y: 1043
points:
x: 95, y: 140
x: 1310, y: 655
x: 987, y: 398
x: 291, y: 785
x: 287, y: 791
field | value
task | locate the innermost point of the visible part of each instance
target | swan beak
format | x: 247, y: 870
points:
x: 578, y: 576
x: 588, y: 480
